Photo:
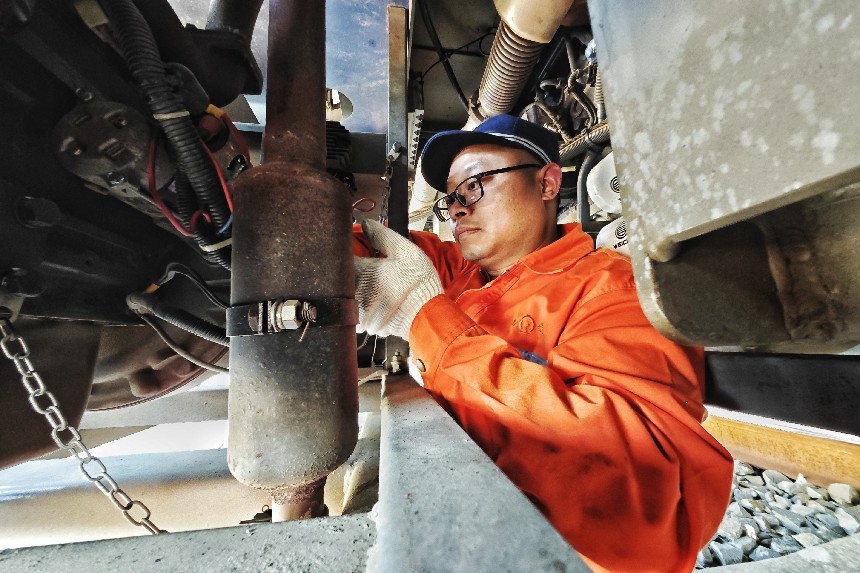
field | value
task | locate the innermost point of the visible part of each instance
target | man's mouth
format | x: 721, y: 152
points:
x: 460, y: 232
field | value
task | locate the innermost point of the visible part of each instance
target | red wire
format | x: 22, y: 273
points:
x: 196, y: 217
x: 153, y: 189
x: 220, y: 177
x: 364, y: 209
x: 243, y: 145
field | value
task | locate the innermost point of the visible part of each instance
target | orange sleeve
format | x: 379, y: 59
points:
x: 605, y: 438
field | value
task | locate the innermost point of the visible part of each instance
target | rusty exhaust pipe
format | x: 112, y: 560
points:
x: 293, y: 405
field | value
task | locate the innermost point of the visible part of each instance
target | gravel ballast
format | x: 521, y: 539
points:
x: 771, y: 515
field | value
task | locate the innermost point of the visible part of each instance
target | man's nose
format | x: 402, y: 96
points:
x: 457, y: 210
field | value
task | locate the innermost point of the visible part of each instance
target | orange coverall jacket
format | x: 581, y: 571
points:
x: 554, y: 371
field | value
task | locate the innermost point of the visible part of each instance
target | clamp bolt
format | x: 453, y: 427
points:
x: 115, y: 178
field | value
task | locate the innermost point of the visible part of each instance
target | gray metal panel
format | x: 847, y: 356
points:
x: 736, y: 139
x: 444, y: 505
x: 719, y: 112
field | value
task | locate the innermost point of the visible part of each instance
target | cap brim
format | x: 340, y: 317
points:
x: 441, y: 149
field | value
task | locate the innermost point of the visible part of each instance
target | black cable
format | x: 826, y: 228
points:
x: 147, y: 303
x: 364, y: 343
x: 144, y: 62
x: 174, y: 269
x: 455, y: 51
x: 178, y: 349
x: 425, y: 16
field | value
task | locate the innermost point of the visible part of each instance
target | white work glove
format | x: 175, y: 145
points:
x: 391, y: 291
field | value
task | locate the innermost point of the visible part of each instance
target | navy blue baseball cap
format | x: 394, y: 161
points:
x: 506, y: 130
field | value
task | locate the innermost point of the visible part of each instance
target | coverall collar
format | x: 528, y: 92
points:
x: 561, y: 253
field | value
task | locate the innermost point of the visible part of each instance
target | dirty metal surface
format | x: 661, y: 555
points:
x: 720, y: 116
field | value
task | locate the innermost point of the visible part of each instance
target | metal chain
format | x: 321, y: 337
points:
x: 16, y: 350
x: 390, y: 158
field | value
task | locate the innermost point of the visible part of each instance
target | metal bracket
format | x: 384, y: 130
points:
x: 274, y: 316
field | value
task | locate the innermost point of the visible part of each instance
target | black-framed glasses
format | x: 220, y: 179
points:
x: 471, y: 189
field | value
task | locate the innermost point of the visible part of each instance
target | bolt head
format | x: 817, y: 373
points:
x: 84, y: 94
x: 115, y: 178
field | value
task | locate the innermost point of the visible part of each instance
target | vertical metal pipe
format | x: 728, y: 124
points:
x: 237, y: 16
x: 295, y: 91
x: 293, y: 405
x: 398, y: 122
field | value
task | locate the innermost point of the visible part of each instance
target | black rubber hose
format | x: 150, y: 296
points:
x: 582, y: 209
x: 144, y: 62
x: 443, y: 57
x: 149, y: 304
x: 204, y: 235
x: 178, y: 349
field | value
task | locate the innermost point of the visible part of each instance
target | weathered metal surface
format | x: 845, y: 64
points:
x: 295, y: 84
x: 787, y: 279
x: 293, y: 404
x: 720, y: 116
x: 443, y: 504
x: 398, y: 132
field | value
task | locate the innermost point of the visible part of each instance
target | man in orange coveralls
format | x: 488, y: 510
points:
x: 536, y: 344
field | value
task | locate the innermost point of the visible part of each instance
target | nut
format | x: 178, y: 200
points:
x: 287, y: 315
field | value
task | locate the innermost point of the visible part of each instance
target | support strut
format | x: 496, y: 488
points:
x: 293, y: 397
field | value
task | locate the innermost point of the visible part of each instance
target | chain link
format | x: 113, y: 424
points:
x: 36, y: 390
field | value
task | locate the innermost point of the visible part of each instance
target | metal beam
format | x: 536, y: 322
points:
x: 740, y: 180
x: 398, y: 130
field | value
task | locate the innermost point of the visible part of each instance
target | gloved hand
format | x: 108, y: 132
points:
x: 391, y: 291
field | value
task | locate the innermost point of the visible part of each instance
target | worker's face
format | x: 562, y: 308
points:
x: 516, y: 215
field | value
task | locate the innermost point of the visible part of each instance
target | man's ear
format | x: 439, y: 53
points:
x: 550, y: 181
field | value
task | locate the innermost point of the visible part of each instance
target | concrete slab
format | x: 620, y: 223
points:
x: 445, y: 506
x: 328, y: 545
